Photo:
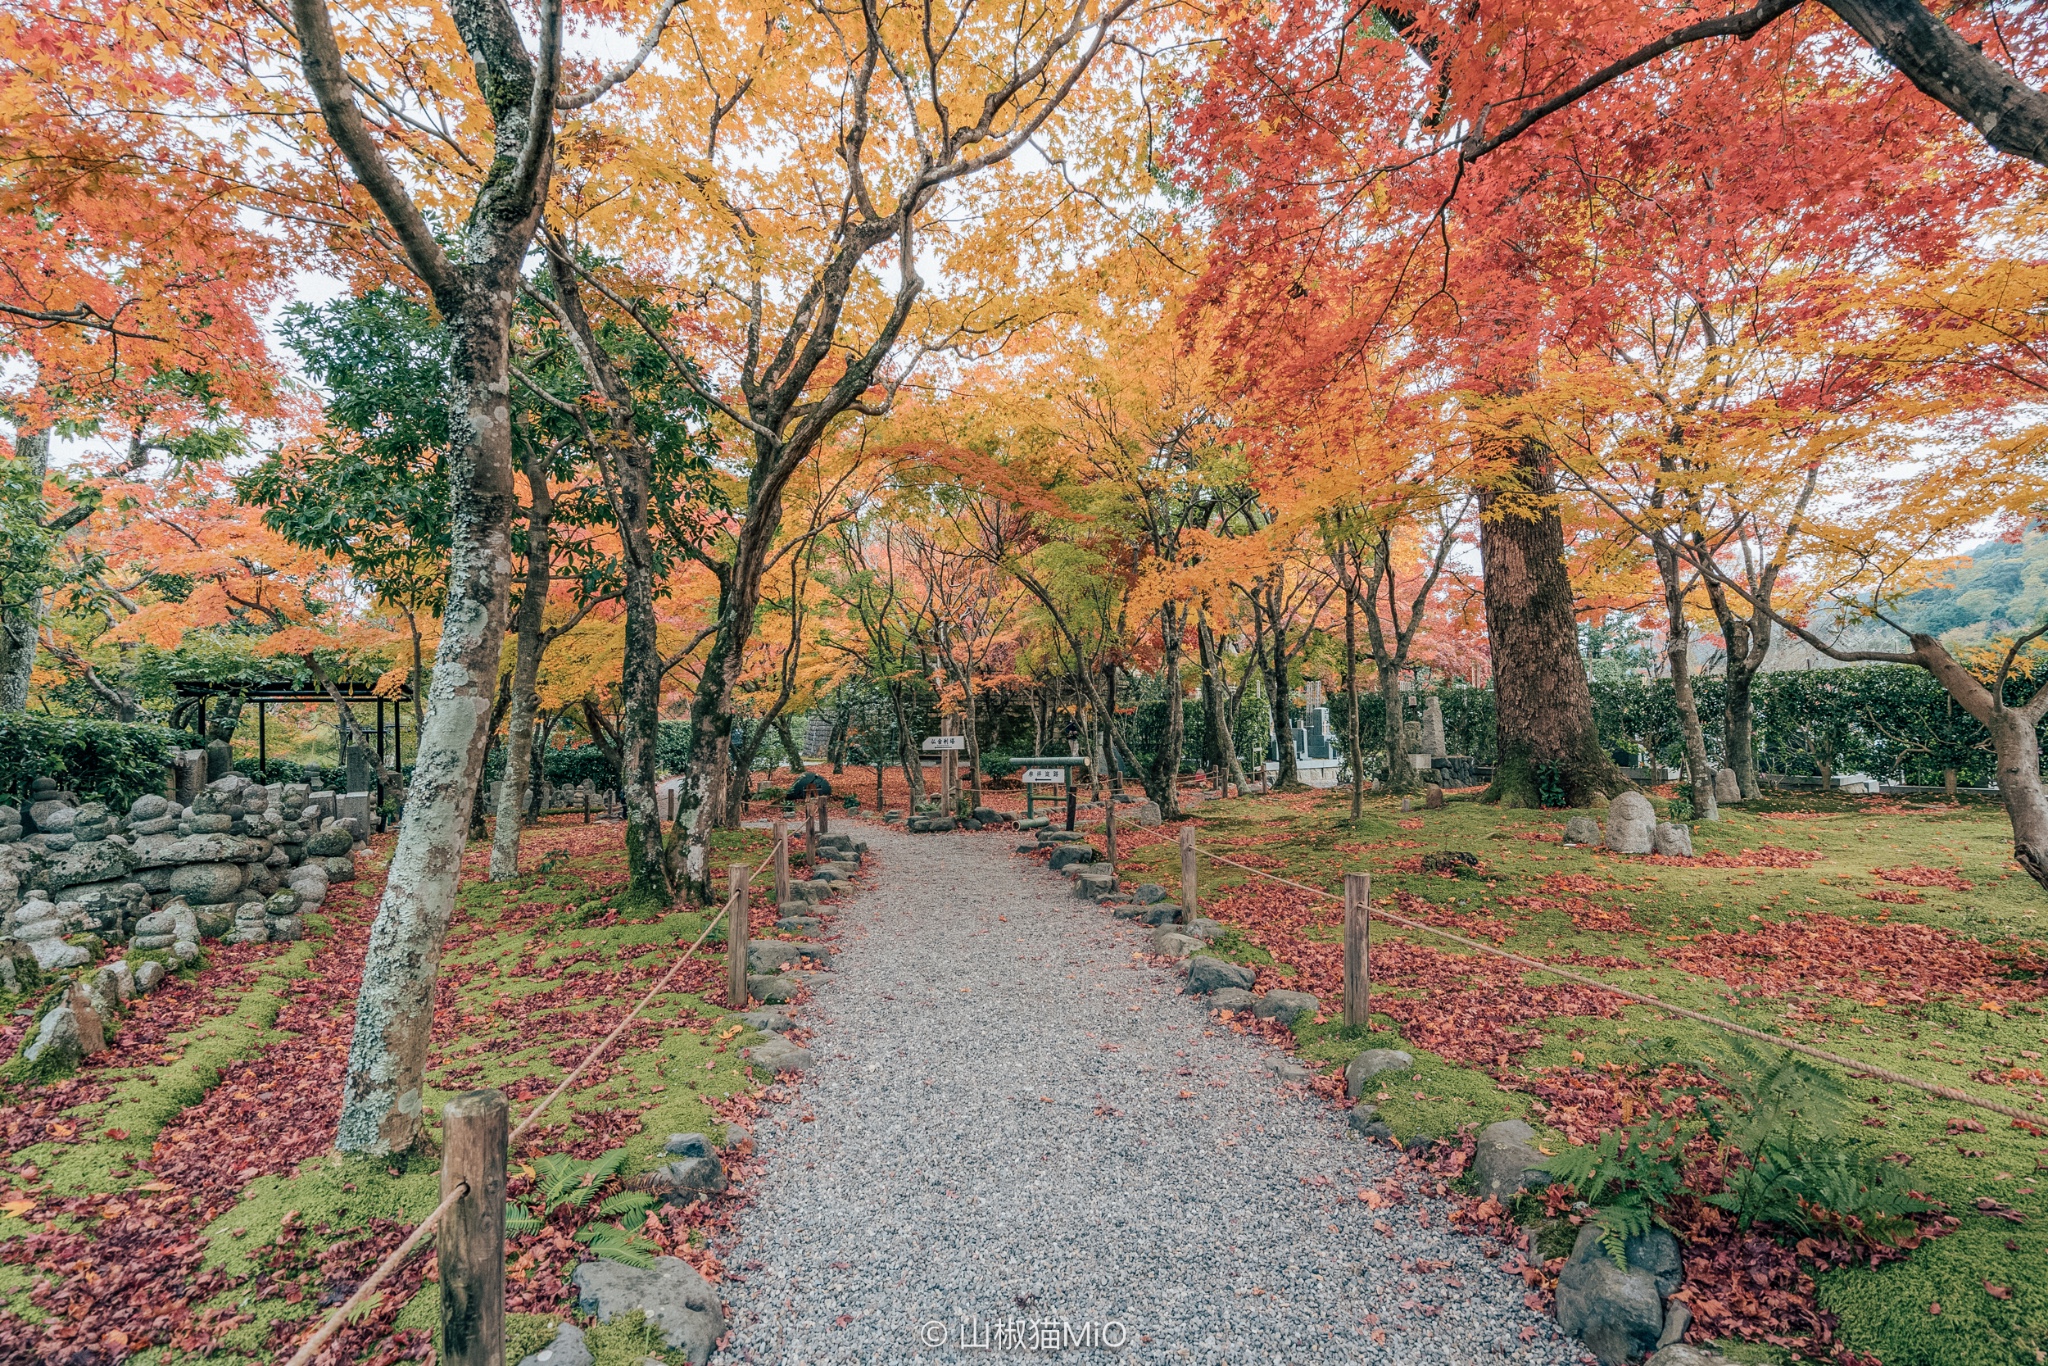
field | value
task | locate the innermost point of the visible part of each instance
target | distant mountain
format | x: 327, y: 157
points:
x: 2003, y: 588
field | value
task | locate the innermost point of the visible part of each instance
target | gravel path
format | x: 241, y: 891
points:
x: 1000, y: 1139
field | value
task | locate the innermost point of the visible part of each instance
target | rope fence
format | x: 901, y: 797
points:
x: 1950, y: 1093
x: 459, y: 1189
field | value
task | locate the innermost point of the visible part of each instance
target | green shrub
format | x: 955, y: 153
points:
x: 110, y: 761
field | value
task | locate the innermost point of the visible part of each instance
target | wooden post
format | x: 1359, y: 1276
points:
x: 810, y: 837
x: 1187, y: 874
x: 781, y: 866
x: 824, y: 816
x: 736, y: 940
x: 1357, y: 949
x: 469, y: 1245
x: 586, y: 806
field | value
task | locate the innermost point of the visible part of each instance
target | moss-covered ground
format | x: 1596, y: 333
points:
x: 1773, y: 925
x: 177, y: 1199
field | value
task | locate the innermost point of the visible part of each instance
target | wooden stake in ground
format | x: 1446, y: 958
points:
x: 736, y: 939
x: 1357, y: 949
x: 824, y: 817
x: 469, y: 1247
x: 949, y: 771
x: 1188, y: 906
x: 781, y: 866
x: 810, y: 838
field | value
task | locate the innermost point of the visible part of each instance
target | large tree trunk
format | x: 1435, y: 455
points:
x: 640, y: 682
x: 906, y: 748
x: 789, y: 745
x: 1216, y: 701
x: 395, y: 1005
x: 21, y: 622
x: 519, y: 716
x: 1678, y: 652
x: 1544, y: 707
x: 973, y: 729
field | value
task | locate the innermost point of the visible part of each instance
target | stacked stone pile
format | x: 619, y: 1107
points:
x: 241, y: 862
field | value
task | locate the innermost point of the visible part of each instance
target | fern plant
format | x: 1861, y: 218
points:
x: 1629, y: 1178
x: 566, y: 1182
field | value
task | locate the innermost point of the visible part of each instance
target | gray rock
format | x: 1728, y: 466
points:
x: 1673, y: 841
x: 1159, y: 913
x: 58, y: 1039
x: 1146, y: 813
x: 1582, y: 830
x: 99, y: 861
x: 1093, y: 886
x: 52, y: 817
x: 1365, y: 1119
x: 773, y: 955
x: 767, y: 1021
x: 1232, y: 999
x: 799, y: 924
x: 772, y: 989
x: 1371, y: 1063
x: 687, y: 1179
x: 54, y: 955
x: 688, y: 1145
x: 674, y: 1297
x: 1068, y: 855
x: 281, y: 903
x: 340, y: 868
x: 1289, y: 1070
x: 1173, y: 944
x: 310, y: 882
x: 284, y: 929
x: 1631, y: 824
x: 149, y: 807
x: 162, y: 825
x: 149, y: 977
x: 1206, y: 974
x: 1677, y: 1318
x: 1286, y: 1006
x: 567, y: 1349
x: 1683, y: 1354
x: 329, y: 843
x: 1203, y: 928
x: 207, y: 884
x: 988, y: 815
x: 1148, y: 893
x: 778, y: 1054
x: 1727, y: 787
x: 1617, y: 1313
x: 1506, y: 1161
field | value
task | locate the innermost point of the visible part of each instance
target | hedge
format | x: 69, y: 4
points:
x: 110, y: 761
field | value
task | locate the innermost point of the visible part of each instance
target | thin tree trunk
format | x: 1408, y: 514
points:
x: 525, y: 702
x: 973, y: 729
x: 21, y: 623
x: 1289, y: 776
x: 1216, y: 699
x: 1355, y: 751
x: 906, y: 748
x: 1165, y: 785
x: 789, y: 745
x: 1678, y: 651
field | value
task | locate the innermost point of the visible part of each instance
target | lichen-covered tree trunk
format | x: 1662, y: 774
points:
x: 395, y: 1005
x: 1544, y: 707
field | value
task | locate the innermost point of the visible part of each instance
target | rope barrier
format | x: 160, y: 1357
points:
x: 398, y: 1254
x: 2031, y: 1120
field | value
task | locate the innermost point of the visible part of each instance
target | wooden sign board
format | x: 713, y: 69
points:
x: 945, y: 742
x: 1046, y: 775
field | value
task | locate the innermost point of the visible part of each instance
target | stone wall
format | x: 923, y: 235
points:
x: 240, y: 863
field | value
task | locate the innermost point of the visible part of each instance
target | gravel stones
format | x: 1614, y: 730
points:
x: 676, y: 1299
x: 1631, y: 824
x: 1017, y: 1110
x: 1582, y: 830
x: 1618, y: 1313
x: 1672, y: 841
x: 1505, y: 1161
x: 1206, y: 974
x: 1371, y: 1063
